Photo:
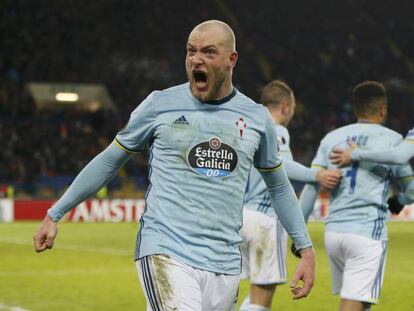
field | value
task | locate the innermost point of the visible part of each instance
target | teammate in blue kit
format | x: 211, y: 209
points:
x: 355, y: 230
x: 264, y: 239
x: 203, y: 137
x: 397, y: 155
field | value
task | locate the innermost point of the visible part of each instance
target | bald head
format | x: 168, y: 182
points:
x: 218, y: 31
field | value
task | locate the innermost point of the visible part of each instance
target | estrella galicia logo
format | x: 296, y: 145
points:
x: 213, y: 158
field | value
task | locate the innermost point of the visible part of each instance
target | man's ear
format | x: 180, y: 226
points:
x: 233, y: 59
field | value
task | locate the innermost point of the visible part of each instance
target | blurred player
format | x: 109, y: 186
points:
x: 264, y: 239
x: 397, y: 155
x: 188, y: 255
x: 355, y: 231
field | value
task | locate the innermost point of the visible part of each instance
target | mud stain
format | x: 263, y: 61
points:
x: 165, y: 289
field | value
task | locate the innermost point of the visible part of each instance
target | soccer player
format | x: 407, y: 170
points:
x: 355, y: 230
x: 264, y: 254
x: 203, y: 137
x: 397, y: 155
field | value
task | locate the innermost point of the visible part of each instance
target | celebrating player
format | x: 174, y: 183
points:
x: 355, y: 231
x: 187, y: 252
x: 264, y: 254
x: 397, y: 155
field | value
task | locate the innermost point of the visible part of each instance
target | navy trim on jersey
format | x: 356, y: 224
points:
x: 126, y: 148
x: 269, y: 169
x: 139, y: 238
x: 381, y: 211
x: 376, y: 288
x: 223, y: 100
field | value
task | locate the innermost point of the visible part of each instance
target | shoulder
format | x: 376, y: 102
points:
x: 252, y: 109
x: 390, y: 134
x: 177, y: 90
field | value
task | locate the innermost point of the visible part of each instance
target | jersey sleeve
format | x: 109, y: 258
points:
x: 399, y: 154
x: 267, y: 157
x: 321, y: 158
x: 405, y: 177
x: 140, y: 128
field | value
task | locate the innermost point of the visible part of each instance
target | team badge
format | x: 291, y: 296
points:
x: 241, y: 125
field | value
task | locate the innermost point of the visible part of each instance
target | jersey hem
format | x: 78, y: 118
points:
x: 200, y: 267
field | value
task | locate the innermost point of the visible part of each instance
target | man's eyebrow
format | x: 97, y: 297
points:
x: 209, y: 47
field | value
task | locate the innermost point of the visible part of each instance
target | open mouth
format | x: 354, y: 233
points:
x: 200, y: 78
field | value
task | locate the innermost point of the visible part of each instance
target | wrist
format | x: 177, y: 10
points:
x: 307, y: 251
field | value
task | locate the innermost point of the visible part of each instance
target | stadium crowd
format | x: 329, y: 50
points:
x: 141, y: 48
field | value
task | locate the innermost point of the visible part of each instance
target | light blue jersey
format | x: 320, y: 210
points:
x: 397, y: 155
x: 201, y: 155
x: 257, y: 197
x: 359, y: 203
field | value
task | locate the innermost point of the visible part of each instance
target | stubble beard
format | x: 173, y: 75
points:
x: 215, y: 81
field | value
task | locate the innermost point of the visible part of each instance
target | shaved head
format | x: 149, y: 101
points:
x: 211, y: 57
x: 222, y: 33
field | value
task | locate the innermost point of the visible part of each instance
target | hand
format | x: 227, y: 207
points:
x: 328, y: 178
x: 342, y: 157
x: 45, y: 236
x: 305, y: 272
x: 394, y: 205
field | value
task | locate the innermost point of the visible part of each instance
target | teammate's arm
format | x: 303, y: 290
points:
x: 296, y: 171
x: 92, y: 178
x: 405, y: 177
x: 307, y: 199
x: 397, y: 155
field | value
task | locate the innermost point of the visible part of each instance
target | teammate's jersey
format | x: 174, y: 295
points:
x: 200, y: 158
x: 359, y: 203
x: 257, y: 197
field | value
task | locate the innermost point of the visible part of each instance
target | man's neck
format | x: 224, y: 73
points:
x: 369, y: 120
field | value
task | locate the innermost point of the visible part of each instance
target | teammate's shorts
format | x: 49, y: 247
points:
x: 357, y: 265
x: 263, y: 249
x: 168, y: 284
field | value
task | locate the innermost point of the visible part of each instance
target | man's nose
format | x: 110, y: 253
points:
x: 197, y: 59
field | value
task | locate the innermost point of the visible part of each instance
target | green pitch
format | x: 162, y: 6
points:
x: 92, y: 268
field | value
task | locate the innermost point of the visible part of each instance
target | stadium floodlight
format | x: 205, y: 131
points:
x: 84, y: 96
x: 67, y: 97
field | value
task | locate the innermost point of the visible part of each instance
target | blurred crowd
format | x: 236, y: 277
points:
x: 134, y: 47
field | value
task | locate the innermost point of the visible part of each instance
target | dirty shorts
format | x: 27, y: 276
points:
x: 264, y: 249
x: 169, y: 284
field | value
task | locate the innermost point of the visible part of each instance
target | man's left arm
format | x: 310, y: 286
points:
x: 267, y: 160
x: 287, y: 208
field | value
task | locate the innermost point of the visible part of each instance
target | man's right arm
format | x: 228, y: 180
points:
x: 133, y: 138
x: 92, y: 178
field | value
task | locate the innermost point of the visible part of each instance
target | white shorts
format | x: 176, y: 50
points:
x: 357, y: 265
x: 169, y: 284
x: 263, y: 249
